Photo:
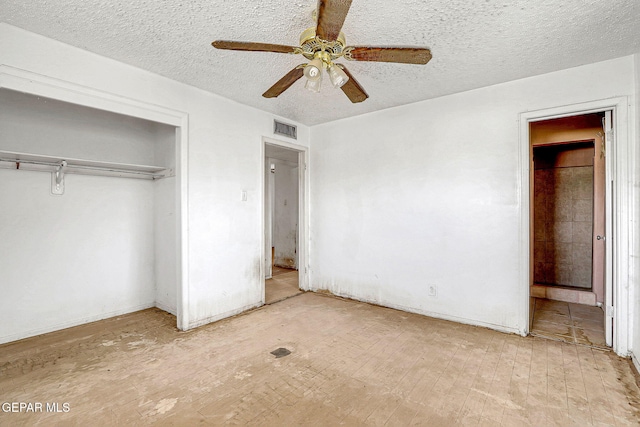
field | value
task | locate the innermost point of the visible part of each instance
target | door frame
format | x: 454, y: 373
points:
x: 619, y: 166
x: 303, y: 211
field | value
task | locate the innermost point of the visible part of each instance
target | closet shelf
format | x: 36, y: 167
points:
x: 37, y: 162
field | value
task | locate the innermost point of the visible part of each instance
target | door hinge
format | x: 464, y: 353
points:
x: 609, y: 311
x: 601, y: 135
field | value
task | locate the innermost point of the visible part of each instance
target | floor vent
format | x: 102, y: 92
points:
x: 280, y: 128
x: 281, y: 352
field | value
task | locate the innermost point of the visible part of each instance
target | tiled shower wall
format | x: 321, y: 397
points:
x: 563, y: 224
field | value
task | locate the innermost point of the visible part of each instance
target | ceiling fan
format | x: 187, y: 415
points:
x: 324, y: 44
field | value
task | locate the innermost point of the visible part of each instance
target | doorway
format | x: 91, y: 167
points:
x: 284, y: 220
x: 620, y: 235
x: 567, y: 214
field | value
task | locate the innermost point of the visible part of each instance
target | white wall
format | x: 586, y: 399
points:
x: 74, y: 258
x: 427, y: 194
x: 44, y: 126
x: 224, y: 158
x: 285, y: 214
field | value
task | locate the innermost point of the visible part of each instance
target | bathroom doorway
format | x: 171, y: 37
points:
x: 568, y: 234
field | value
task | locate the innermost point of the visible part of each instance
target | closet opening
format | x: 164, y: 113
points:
x: 568, y: 205
x: 90, y: 218
x: 284, y: 171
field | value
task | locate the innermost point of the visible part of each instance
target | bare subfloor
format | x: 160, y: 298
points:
x: 350, y: 363
x: 570, y: 322
x: 283, y: 284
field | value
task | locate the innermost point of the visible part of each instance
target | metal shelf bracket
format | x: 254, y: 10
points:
x: 57, y: 179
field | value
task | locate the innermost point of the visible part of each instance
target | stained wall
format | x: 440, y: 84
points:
x: 429, y: 195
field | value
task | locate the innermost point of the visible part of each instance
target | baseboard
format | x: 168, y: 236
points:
x: 435, y: 315
x: 167, y: 308
x: 636, y: 364
x: 74, y: 322
x: 211, y: 319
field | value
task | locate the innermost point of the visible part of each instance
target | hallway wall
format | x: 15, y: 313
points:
x: 285, y: 214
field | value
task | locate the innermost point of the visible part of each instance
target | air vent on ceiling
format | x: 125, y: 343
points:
x: 280, y: 128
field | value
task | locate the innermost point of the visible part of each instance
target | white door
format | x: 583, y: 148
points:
x: 608, y: 237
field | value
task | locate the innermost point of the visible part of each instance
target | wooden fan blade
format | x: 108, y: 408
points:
x: 331, y: 15
x: 284, y: 83
x: 352, y: 88
x: 405, y: 55
x: 254, y: 47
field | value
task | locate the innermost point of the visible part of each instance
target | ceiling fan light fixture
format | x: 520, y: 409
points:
x: 325, y: 43
x: 338, y: 76
x: 314, y: 85
x: 313, y: 70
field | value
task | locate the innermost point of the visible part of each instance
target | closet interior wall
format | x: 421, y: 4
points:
x: 106, y: 246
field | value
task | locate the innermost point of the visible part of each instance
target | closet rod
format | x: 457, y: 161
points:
x: 72, y: 166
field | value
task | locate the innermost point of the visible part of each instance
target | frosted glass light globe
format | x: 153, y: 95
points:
x: 313, y: 70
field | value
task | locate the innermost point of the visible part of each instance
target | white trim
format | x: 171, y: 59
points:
x: 433, y: 314
x: 40, y: 85
x: 622, y: 164
x: 303, y: 210
x: 224, y: 315
x: 182, y: 213
x: 75, y: 322
x: 635, y: 361
x: 165, y: 307
x: 49, y: 87
x: 263, y: 225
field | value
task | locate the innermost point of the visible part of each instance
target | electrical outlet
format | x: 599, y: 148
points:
x: 433, y: 290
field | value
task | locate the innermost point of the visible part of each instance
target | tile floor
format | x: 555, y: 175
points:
x: 569, y: 322
x: 351, y: 364
x: 282, y: 285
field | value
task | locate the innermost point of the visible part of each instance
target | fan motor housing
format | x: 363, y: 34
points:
x: 310, y: 44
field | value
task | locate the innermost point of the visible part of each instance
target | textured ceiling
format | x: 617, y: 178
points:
x: 474, y: 43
